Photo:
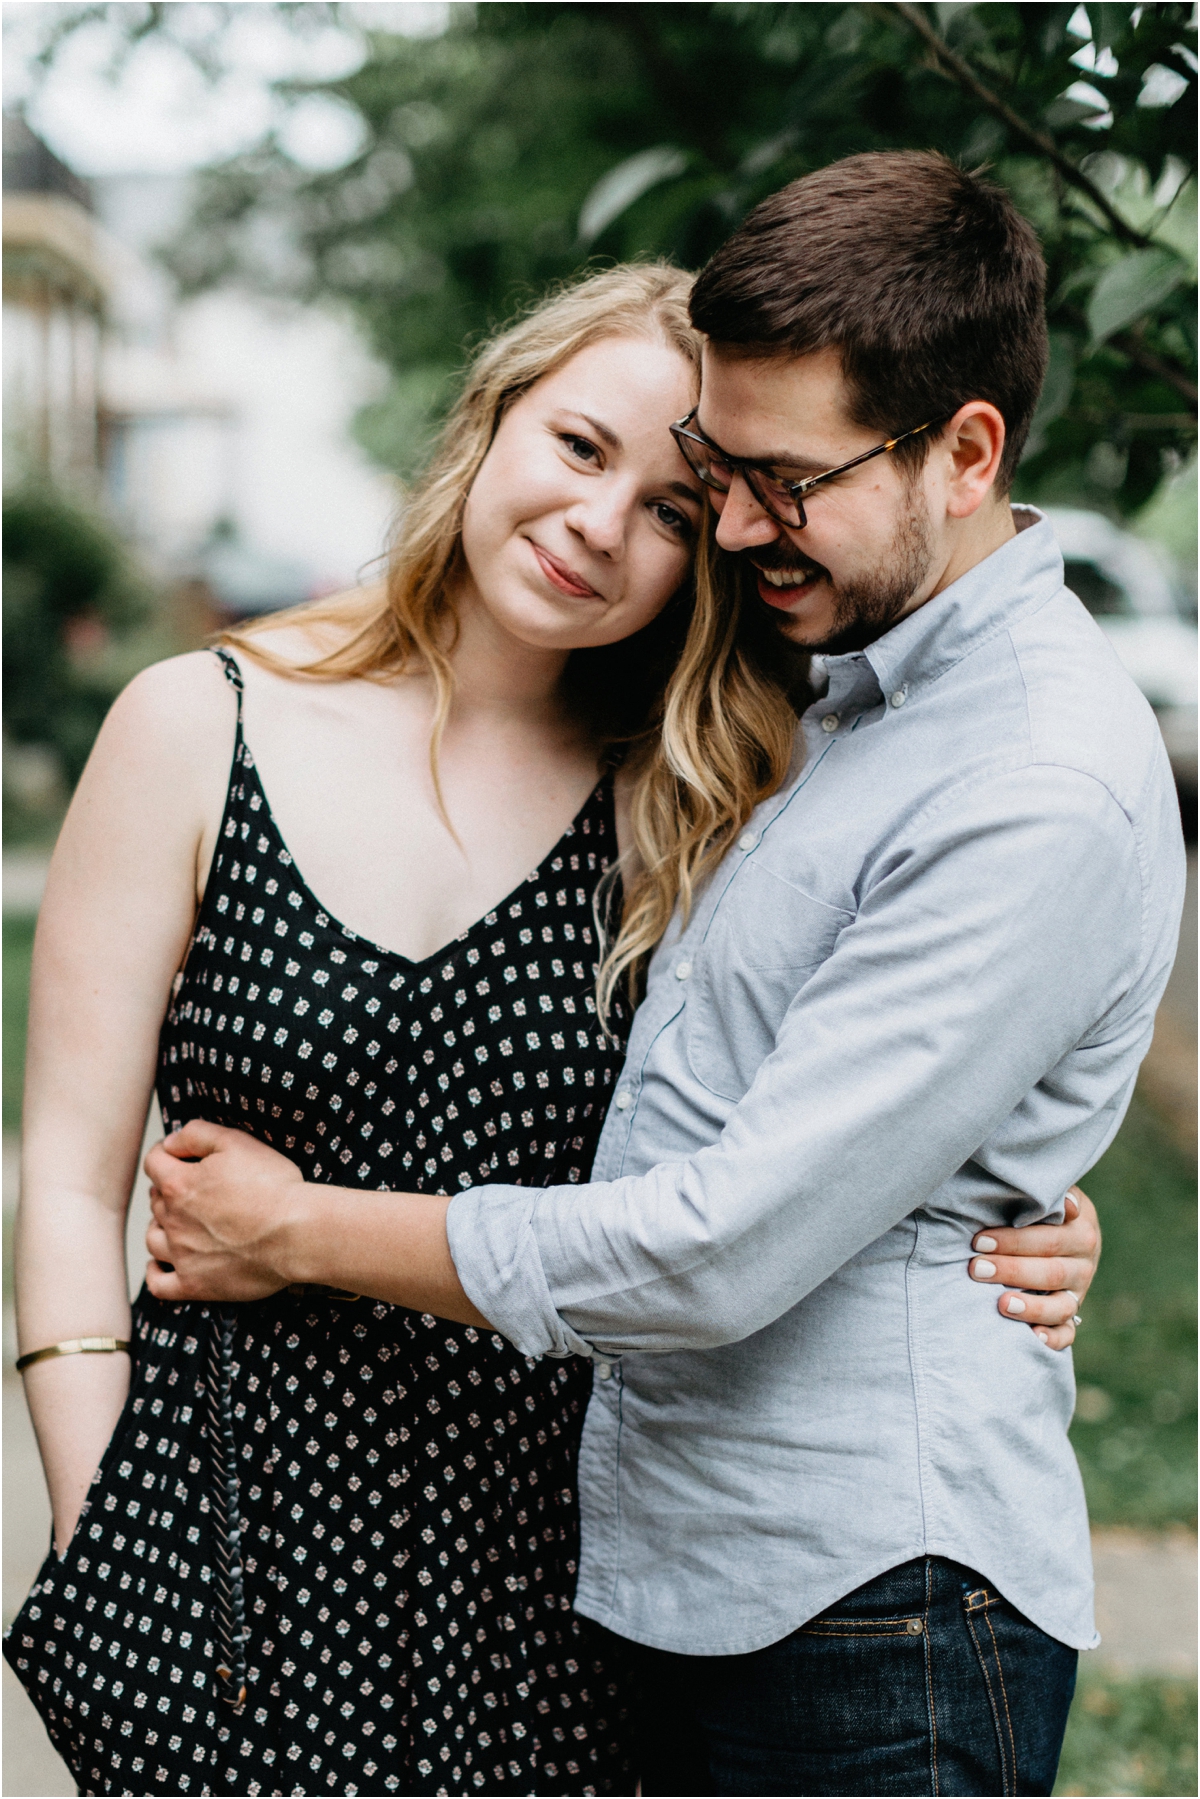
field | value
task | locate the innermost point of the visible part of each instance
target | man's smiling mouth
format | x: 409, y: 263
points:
x: 787, y: 577
x: 779, y: 584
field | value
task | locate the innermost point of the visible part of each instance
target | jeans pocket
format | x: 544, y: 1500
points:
x: 858, y: 1717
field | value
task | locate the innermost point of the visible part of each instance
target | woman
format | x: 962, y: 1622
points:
x: 330, y: 1544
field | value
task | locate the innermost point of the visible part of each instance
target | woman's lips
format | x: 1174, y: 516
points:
x: 560, y: 576
x: 783, y: 597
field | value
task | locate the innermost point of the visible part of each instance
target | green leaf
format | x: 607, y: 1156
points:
x: 1109, y: 24
x: 1131, y: 288
x: 621, y: 186
x: 1071, y: 110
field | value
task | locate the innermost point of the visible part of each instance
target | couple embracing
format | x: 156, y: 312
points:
x: 715, y: 589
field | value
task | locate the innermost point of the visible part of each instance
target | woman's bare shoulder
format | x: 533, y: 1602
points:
x: 167, y: 740
x: 297, y: 639
x: 186, y: 706
x: 182, y: 700
x: 156, y: 777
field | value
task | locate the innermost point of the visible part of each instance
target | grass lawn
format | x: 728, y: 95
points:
x: 1135, y: 1436
x: 1135, y: 1357
x: 1134, y: 1432
x: 1129, y: 1737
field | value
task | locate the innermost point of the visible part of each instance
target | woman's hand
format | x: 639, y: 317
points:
x: 221, y: 1201
x: 1053, y: 1264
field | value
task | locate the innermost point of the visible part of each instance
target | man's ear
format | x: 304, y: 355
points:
x: 972, y: 443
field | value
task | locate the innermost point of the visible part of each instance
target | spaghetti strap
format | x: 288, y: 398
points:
x: 233, y: 674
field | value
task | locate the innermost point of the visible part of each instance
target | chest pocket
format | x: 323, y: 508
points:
x: 766, y: 941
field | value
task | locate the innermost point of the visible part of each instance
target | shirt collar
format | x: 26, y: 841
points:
x: 1017, y: 578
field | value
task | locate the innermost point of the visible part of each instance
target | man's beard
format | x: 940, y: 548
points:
x: 869, y: 605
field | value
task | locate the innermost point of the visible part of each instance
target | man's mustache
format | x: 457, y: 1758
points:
x: 774, y: 556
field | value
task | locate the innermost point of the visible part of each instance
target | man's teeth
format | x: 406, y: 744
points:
x: 786, y: 577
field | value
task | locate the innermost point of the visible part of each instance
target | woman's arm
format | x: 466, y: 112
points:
x: 236, y: 1220
x: 113, y: 928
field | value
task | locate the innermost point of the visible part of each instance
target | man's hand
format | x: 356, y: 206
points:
x: 1053, y: 1264
x: 234, y: 1220
x: 221, y: 1201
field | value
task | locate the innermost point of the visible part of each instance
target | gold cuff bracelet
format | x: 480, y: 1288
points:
x: 73, y: 1346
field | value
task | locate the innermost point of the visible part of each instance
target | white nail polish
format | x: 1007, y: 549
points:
x: 983, y: 1271
x: 1014, y: 1305
x: 1042, y: 1335
x: 985, y: 1242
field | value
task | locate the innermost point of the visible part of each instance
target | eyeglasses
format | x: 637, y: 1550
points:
x: 783, y: 500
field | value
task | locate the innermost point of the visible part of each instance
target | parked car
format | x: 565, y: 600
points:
x: 1128, y: 586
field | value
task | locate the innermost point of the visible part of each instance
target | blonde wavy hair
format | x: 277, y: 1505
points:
x: 699, y: 697
x: 725, y: 740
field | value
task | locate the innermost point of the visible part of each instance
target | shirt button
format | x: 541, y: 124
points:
x: 623, y: 1100
x: 683, y: 970
x: 605, y: 1373
x: 899, y: 697
x: 830, y: 722
x: 747, y: 840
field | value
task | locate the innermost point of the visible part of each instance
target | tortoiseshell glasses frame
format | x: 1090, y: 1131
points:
x: 782, y: 500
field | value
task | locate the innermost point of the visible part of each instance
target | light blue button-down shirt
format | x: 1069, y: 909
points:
x: 917, y: 989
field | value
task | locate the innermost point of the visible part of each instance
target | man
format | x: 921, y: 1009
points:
x: 834, y: 1505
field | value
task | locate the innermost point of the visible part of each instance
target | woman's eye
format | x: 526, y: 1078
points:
x: 580, y: 446
x: 672, y: 518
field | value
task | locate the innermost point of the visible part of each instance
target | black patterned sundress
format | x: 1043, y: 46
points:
x: 332, y: 1545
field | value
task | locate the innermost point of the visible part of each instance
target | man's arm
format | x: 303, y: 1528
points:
x: 234, y: 1220
x: 1000, y: 938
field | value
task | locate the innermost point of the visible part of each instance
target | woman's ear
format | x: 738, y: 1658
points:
x: 973, y: 443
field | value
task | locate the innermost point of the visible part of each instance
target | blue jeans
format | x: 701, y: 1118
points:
x: 923, y: 1681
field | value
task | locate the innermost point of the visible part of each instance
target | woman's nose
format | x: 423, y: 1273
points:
x: 602, y: 520
x: 741, y: 521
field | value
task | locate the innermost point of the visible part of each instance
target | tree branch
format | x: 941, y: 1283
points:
x: 960, y: 71
x: 1129, y: 344
x: 1142, y: 358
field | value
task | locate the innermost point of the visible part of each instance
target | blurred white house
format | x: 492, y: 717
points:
x: 215, y: 431
x: 56, y: 288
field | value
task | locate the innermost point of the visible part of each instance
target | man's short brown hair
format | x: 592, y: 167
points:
x: 925, y: 278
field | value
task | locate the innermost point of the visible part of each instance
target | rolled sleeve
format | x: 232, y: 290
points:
x: 494, y: 1249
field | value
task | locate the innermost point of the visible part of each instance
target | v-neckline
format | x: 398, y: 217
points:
x: 598, y: 793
